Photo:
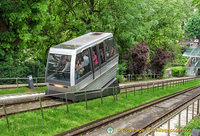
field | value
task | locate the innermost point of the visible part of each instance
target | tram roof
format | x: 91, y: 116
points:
x: 192, y: 52
x: 83, y: 41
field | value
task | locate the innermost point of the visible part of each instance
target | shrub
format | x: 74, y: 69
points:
x: 120, y: 78
x: 137, y: 59
x: 158, y: 61
x: 178, y: 71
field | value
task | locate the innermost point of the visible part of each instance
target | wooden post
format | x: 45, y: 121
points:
x: 86, y: 101
x: 198, y: 107
x: 36, y: 82
x: 153, y: 86
x: 192, y: 110
x: 4, y: 109
x: 113, y: 93
x: 153, y: 133
x: 116, y: 92
x: 126, y: 92
x: 134, y: 90
x: 101, y: 91
x: 41, y: 107
x: 66, y: 103
x: 179, y: 122
x: 186, y: 115
x: 168, y: 133
x: 17, y: 85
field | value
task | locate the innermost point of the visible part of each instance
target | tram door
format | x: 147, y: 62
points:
x: 98, y: 58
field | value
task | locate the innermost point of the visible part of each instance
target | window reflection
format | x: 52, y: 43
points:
x: 110, y: 48
x: 59, y: 67
x: 82, y: 65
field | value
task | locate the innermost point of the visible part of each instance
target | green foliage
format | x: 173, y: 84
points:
x: 122, y: 67
x: 192, y: 28
x: 29, y: 28
x: 196, y: 3
x: 193, y: 124
x: 178, y: 71
x: 120, y: 78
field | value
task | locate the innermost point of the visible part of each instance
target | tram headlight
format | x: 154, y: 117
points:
x: 61, y: 86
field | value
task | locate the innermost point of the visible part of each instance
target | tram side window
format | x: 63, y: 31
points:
x: 110, y: 48
x: 102, y: 54
x: 82, y: 65
x: 95, y: 57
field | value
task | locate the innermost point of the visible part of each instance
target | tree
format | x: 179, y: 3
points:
x: 21, y: 24
x: 196, y: 3
x: 158, y: 61
x: 137, y: 59
x: 192, y: 28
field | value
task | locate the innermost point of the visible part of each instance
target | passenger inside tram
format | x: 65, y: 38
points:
x: 59, y: 67
x: 78, y: 69
x: 85, y: 62
x: 95, y: 61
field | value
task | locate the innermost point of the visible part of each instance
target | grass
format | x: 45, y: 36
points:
x: 193, y: 124
x: 21, y: 90
x: 56, y: 120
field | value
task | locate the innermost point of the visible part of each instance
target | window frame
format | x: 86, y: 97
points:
x: 87, y: 74
x: 48, y: 80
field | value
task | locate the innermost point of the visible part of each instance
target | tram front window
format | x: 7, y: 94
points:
x: 59, y: 67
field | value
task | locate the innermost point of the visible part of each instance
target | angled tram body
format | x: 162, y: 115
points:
x: 86, y: 63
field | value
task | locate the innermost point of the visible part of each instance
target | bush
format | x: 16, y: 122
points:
x: 178, y: 71
x: 158, y: 61
x: 137, y: 59
x: 120, y: 78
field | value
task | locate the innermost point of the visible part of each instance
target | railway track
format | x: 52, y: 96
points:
x: 140, y: 117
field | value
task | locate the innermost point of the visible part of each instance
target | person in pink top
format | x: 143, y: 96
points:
x: 95, y: 59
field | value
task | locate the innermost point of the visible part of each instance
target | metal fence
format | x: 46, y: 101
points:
x: 133, y: 77
x: 20, y: 82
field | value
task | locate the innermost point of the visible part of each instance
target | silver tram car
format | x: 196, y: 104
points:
x: 88, y: 63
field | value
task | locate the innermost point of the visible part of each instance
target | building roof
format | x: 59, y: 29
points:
x: 192, y: 52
